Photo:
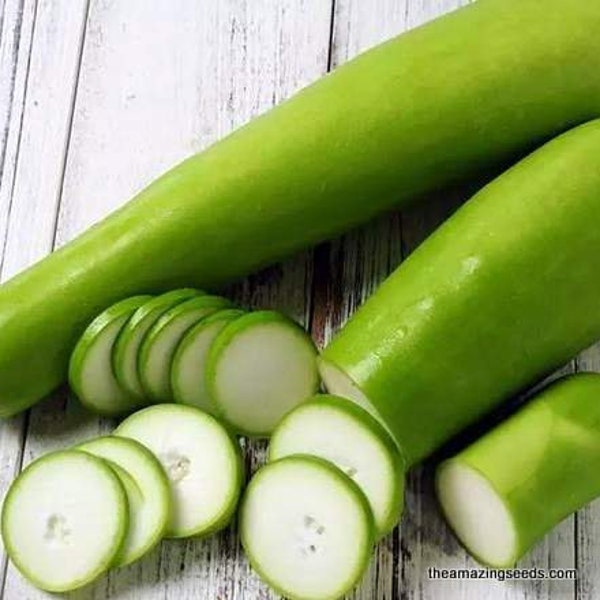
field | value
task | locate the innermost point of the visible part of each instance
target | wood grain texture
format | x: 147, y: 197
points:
x: 97, y: 97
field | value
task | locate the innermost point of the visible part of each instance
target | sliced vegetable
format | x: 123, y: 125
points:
x: 127, y: 346
x: 148, y: 492
x: 337, y: 430
x: 64, y: 520
x: 485, y: 306
x: 160, y: 343
x: 188, y: 369
x: 203, y: 463
x: 465, y: 93
x: 90, y: 370
x: 513, y: 485
x: 307, y: 528
x: 259, y: 367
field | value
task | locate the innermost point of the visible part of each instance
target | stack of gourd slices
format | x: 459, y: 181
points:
x: 170, y: 469
x: 310, y: 517
x: 74, y: 513
x: 186, y: 346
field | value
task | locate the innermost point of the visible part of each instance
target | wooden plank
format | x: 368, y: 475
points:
x: 18, y: 17
x: 160, y: 80
x: 32, y: 53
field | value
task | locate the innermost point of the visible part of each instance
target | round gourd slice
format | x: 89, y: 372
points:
x: 307, y: 528
x: 64, y: 520
x: 259, y: 367
x: 91, y: 374
x: 148, y: 492
x: 202, y: 461
x: 188, y: 371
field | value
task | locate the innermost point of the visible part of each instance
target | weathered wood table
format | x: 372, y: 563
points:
x: 99, y: 96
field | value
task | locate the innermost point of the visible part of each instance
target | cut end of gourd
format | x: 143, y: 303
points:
x: 477, y: 514
x: 336, y: 382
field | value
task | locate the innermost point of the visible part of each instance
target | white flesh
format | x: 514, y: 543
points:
x: 188, y: 373
x: 476, y: 513
x: 264, y: 372
x: 147, y: 488
x: 341, y: 438
x: 201, y: 461
x: 155, y: 369
x: 64, y: 520
x: 305, y: 530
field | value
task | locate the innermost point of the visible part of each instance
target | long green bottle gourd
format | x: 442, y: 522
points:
x: 504, y: 292
x: 462, y: 94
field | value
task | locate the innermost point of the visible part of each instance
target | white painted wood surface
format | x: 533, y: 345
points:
x: 99, y: 96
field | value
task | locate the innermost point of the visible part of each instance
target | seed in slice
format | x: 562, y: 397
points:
x: 201, y: 459
x: 91, y: 374
x: 188, y: 371
x: 259, y: 367
x: 307, y: 528
x: 159, y: 346
x: 64, y: 520
x: 341, y: 432
x: 148, y: 492
x: 127, y: 346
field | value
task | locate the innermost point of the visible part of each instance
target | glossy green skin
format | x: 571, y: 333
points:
x: 504, y: 292
x: 544, y: 461
x: 367, y: 422
x: 452, y: 98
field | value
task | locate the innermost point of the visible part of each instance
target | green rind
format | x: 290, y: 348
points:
x: 348, y: 484
x: 158, y: 305
x: 377, y: 432
x: 225, y: 315
x: 94, y: 447
x: 207, y: 303
x: 221, y: 343
x: 466, y: 321
x: 122, y: 513
x: 223, y: 519
x: 87, y: 339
